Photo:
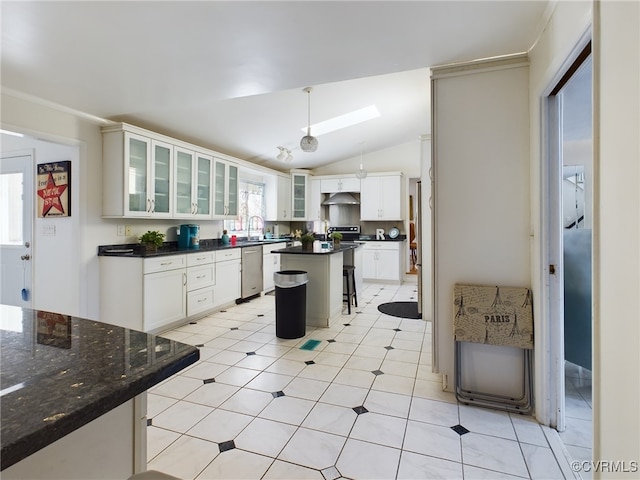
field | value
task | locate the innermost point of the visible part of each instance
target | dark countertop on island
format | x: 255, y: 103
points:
x: 60, y: 372
x: 344, y: 246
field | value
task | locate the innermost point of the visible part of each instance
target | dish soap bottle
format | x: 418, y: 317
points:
x: 225, y: 238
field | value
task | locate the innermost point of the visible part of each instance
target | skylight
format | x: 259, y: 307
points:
x: 344, y: 121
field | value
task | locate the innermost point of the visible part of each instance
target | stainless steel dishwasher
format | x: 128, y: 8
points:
x: 251, y: 271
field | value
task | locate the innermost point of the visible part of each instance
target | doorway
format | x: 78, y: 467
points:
x: 570, y: 216
x: 16, y: 224
x: 412, y: 240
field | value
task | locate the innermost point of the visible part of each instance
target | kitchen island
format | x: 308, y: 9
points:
x: 73, y: 394
x: 324, y: 271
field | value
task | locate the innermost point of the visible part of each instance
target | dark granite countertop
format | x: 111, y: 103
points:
x: 171, y: 248
x: 60, y: 372
x: 317, y: 250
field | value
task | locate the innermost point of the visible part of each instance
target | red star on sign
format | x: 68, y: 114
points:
x: 51, y: 195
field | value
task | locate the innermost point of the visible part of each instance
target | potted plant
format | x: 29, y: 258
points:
x: 307, y: 240
x: 151, y: 240
x: 336, y: 237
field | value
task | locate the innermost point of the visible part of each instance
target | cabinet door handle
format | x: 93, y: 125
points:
x: 184, y: 279
x: 166, y: 263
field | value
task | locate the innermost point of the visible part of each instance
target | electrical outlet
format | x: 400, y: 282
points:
x: 120, y: 231
x: 127, y: 230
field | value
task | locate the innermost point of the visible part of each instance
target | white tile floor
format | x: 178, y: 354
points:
x: 578, y: 436
x: 363, y: 404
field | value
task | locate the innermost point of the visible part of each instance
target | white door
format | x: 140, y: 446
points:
x: 16, y: 209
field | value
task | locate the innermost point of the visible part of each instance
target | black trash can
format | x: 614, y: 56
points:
x: 291, y: 303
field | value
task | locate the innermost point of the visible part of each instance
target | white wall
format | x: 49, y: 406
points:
x: 404, y: 158
x: 83, y: 134
x: 53, y: 256
x: 616, y: 373
x: 481, y: 203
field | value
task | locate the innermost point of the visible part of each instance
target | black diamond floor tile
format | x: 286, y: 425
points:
x: 251, y: 353
x: 459, y: 429
x: 331, y: 340
x: 378, y: 372
x: 277, y: 394
x: 389, y: 347
x: 234, y: 328
x: 208, y: 380
x: 228, y: 445
x: 310, y: 362
x: 360, y: 410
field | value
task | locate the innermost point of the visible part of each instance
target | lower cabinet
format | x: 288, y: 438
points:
x: 270, y: 265
x: 228, y: 279
x: 164, y: 298
x: 382, y: 261
x: 155, y: 294
x: 201, y: 280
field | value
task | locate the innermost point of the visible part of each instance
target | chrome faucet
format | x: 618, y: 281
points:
x: 260, y: 224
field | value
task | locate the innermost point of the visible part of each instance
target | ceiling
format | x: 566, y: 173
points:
x: 230, y: 75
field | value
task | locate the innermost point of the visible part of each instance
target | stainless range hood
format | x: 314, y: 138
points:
x: 341, y: 198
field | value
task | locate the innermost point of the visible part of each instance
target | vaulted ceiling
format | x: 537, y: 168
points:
x: 229, y: 75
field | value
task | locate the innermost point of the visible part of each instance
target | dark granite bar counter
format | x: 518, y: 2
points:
x: 60, y: 372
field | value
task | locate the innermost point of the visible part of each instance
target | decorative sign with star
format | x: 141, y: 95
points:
x: 54, y: 189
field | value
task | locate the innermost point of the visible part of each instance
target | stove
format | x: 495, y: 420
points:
x: 349, y: 232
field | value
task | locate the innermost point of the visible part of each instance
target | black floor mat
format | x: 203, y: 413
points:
x: 401, y: 309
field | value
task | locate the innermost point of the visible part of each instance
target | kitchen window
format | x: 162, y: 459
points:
x: 251, y: 210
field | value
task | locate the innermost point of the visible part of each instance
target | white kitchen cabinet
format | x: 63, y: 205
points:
x: 201, y: 279
x: 137, y: 175
x: 299, y: 195
x: 344, y: 184
x: 228, y: 275
x: 193, y: 184
x: 382, y: 261
x: 381, y: 197
x: 164, y: 299
x: 315, y: 201
x: 226, y: 185
x: 278, y: 198
x: 270, y: 265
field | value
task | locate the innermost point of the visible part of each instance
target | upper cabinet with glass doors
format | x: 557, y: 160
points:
x: 137, y: 175
x: 299, y: 194
x: 193, y: 192
x: 226, y: 187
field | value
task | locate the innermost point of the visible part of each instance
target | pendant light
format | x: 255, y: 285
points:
x: 361, y: 173
x: 308, y: 143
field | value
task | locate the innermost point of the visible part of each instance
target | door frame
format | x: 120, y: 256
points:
x: 550, y: 406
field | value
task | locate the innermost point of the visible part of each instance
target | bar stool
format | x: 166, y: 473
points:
x: 348, y: 271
